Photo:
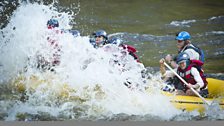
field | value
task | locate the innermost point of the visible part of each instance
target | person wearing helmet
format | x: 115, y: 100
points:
x: 100, y: 39
x: 52, y: 23
x: 190, y: 71
x: 47, y: 63
x: 184, y: 45
x: 53, y: 26
x: 130, y: 49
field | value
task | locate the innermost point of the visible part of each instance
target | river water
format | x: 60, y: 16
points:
x: 90, y: 87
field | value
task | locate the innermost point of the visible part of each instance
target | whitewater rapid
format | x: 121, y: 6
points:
x: 84, y: 86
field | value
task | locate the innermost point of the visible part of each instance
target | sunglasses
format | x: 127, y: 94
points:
x: 180, y: 41
x: 183, y: 61
x: 98, y: 36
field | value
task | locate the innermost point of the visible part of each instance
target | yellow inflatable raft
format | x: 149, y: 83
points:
x: 191, y: 103
x: 188, y: 103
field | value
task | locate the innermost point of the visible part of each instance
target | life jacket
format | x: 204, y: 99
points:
x: 132, y: 51
x: 54, y: 45
x: 198, y: 50
x: 188, y: 77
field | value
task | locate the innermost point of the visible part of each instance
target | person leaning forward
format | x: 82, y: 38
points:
x: 184, y: 45
x: 190, y: 71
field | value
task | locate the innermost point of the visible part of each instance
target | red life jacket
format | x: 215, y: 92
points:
x: 55, y: 45
x: 188, y: 77
x: 132, y: 51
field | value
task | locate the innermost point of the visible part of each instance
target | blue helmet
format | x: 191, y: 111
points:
x: 183, y: 36
x: 116, y: 41
x: 100, y: 33
x: 183, y: 57
x: 52, y: 23
x: 75, y: 33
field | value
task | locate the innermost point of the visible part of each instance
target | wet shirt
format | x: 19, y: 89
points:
x: 194, y: 73
x: 191, y: 52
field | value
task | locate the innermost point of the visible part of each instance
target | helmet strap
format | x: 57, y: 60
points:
x: 187, y: 63
x: 186, y: 42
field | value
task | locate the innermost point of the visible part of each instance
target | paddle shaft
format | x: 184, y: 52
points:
x: 203, y: 99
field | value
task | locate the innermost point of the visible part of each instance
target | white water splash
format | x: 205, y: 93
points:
x: 85, y: 85
x: 217, y: 32
x: 184, y: 23
x: 215, y: 18
x: 214, y: 112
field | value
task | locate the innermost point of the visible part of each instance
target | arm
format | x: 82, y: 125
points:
x: 162, y: 67
x: 171, y: 60
x: 197, y: 78
x: 193, y: 54
x: 165, y: 74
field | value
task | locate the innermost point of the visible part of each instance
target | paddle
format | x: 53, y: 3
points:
x: 203, y: 99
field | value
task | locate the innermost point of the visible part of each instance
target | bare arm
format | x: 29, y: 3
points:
x: 165, y: 74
